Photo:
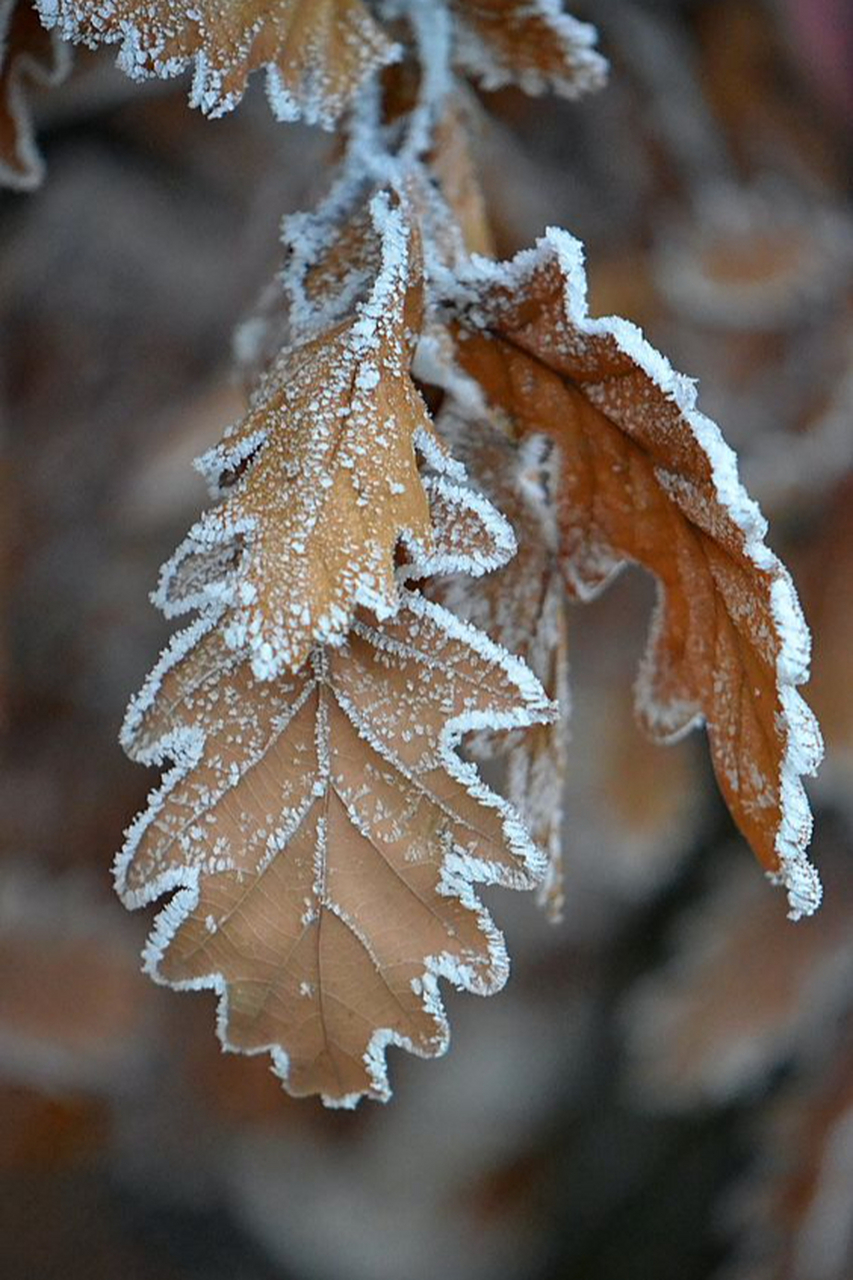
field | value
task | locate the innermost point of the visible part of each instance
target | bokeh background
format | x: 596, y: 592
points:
x: 665, y: 1088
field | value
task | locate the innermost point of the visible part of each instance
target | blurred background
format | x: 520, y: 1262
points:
x: 665, y: 1088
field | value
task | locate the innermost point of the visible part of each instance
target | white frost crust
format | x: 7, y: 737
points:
x: 201, y: 575
x: 803, y: 743
x: 460, y: 515
x: 435, y: 365
x: 460, y: 873
x: 208, y: 571
x: 141, y: 56
x: 178, y: 647
x: 451, y: 552
x: 585, y: 68
x: 24, y: 72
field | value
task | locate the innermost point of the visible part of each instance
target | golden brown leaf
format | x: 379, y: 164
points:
x: 522, y: 608
x: 28, y: 55
x: 325, y: 838
x: 452, y: 163
x: 316, y: 52
x: 533, y: 43
x: 647, y: 478
x: 320, y: 480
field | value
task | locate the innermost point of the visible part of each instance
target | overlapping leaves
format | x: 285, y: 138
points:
x: 326, y: 837
x: 316, y: 52
x: 320, y: 479
x: 523, y: 609
x: 322, y: 833
x: 646, y: 478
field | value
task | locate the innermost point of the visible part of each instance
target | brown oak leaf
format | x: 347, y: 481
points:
x: 325, y: 839
x: 320, y: 480
x: 647, y: 478
x: 28, y: 55
x: 316, y: 53
x: 523, y: 609
x: 532, y: 43
x: 451, y: 169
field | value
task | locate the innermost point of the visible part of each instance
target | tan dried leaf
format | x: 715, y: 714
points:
x: 325, y: 838
x: 320, y: 480
x: 532, y: 43
x: 452, y: 164
x: 316, y: 53
x: 635, y: 813
x: 523, y: 609
x: 28, y: 55
x: 647, y: 478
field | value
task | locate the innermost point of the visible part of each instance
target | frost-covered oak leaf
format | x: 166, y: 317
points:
x: 647, y: 478
x: 523, y: 609
x: 28, y: 55
x: 316, y: 53
x: 320, y: 480
x: 531, y: 43
x: 449, y: 174
x: 325, y: 839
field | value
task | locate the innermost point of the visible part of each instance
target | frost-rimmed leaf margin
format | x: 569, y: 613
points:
x: 218, y: 589
x: 803, y: 745
x: 460, y: 872
x: 25, y: 71
x: 80, y: 22
x: 214, y: 532
x: 585, y: 68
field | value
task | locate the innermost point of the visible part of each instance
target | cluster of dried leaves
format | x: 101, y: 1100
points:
x: 738, y: 1040
x: 319, y: 832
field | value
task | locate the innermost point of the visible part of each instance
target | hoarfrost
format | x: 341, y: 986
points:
x: 327, y: 818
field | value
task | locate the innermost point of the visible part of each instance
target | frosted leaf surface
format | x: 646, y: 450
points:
x: 647, y: 478
x: 531, y: 43
x: 444, y: 186
x: 335, y: 253
x: 522, y: 608
x: 333, y: 256
x: 452, y: 163
x: 316, y: 53
x: 325, y: 837
x: 28, y: 55
x: 319, y: 481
